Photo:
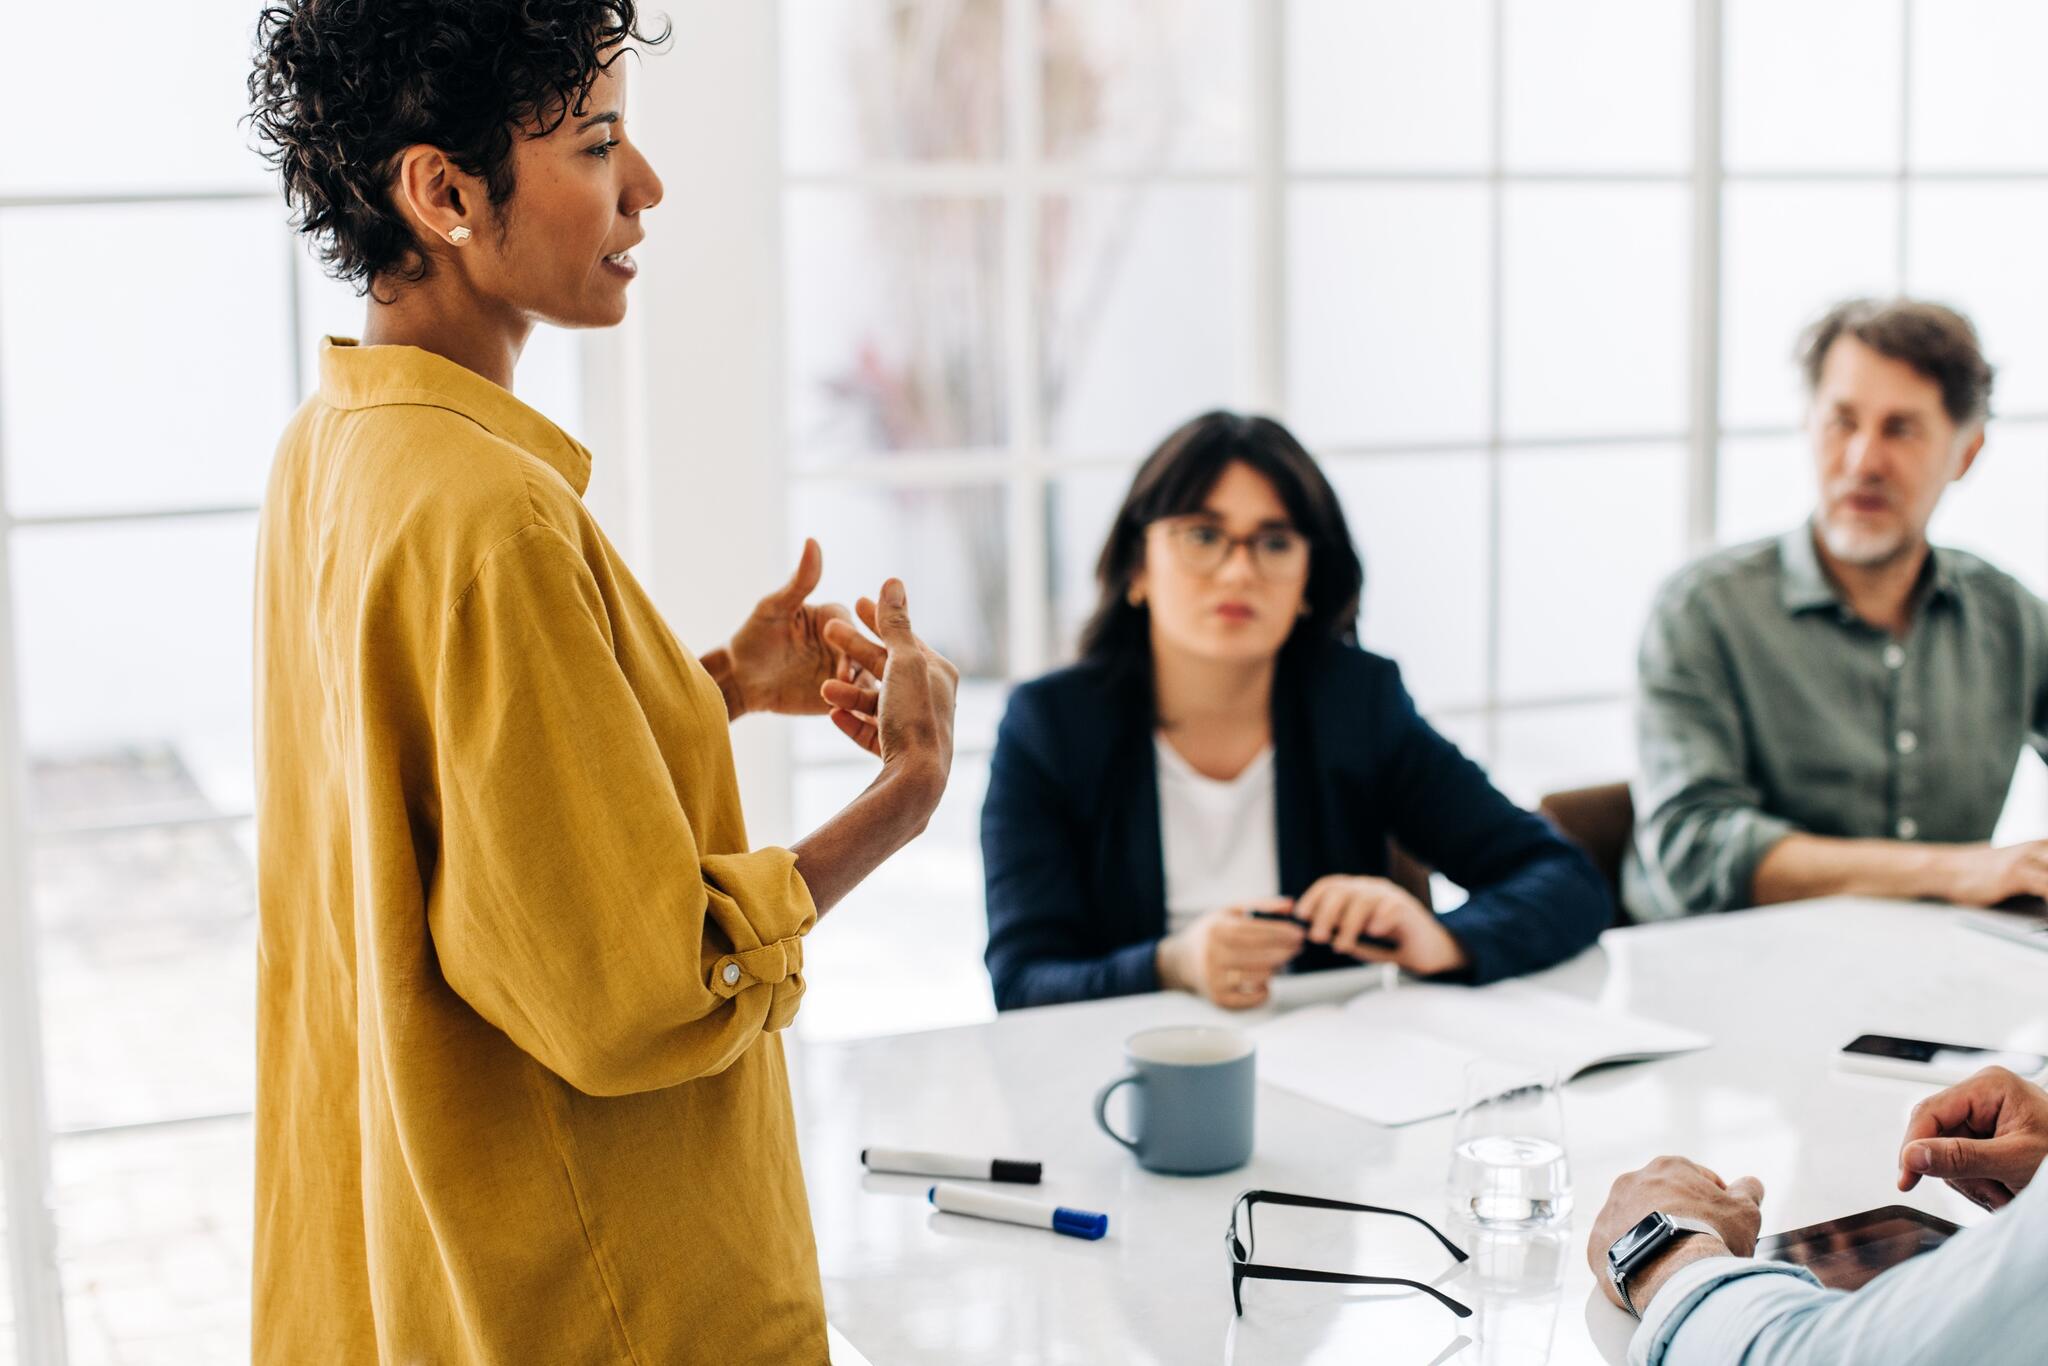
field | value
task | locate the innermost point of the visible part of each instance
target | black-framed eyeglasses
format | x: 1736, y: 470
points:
x: 1279, y: 553
x: 1243, y: 1268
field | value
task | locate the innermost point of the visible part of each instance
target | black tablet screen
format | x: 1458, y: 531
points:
x: 1848, y: 1253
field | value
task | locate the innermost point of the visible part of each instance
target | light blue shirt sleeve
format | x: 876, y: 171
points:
x: 1981, y: 1299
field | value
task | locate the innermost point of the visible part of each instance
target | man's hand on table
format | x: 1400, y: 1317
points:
x: 1986, y: 1137
x: 1675, y: 1186
x: 1984, y: 875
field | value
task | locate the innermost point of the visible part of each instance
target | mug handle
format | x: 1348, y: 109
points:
x: 1102, y: 1109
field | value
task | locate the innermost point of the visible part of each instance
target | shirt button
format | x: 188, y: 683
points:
x: 732, y: 970
x: 1895, y: 656
x: 1908, y: 828
x: 1908, y: 742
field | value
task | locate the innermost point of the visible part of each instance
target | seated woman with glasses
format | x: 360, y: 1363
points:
x: 1208, y: 797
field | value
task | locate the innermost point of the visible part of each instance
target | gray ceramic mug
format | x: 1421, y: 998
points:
x: 1192, y: 1088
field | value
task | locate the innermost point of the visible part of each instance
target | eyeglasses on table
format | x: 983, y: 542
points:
x: 1243, y: 1268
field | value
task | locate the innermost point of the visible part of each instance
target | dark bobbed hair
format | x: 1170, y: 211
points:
x: 1174, y: 481
x: 341, y: 87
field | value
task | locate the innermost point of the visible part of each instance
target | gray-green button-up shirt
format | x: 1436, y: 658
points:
x: 1765, y: 708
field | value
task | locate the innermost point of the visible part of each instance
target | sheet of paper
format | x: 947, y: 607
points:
x: 1395, y: 1077
x: 1294, y: 989
x: 1398, y: 1056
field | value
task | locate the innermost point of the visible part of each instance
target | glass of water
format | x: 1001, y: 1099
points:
x: 1508, y: 1165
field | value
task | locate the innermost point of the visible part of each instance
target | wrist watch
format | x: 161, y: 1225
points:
x: 1638, y: 1247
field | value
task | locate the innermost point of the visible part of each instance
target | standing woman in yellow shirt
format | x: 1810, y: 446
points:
x: 521, y: 1093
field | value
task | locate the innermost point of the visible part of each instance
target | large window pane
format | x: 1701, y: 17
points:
x: 1812, y: 84
x: 1978, y: 247
x: 1146, y: 308
x: 154, y: 1231
x: 1420, y: 523
x: 1149, y: 83
x: 1389, y: 84
x: 895, y: 323
x: 1594, y: 310
x: 1792, y: 252
x: 140, y: 929
x: 1764, y: 486
x: 173, y: 398
x: 1978, y: 99
x: 867, y: 81
x: 1081, y: 505
x: 127, y: 96
x: 1551, y: 749
x: 1598, y: 84
x: 950, y: 546
x: 1586, y: 537
x: 903, y: 951
x: 134, y: 651
x: 1387, y: 308
x: 1998, y: 509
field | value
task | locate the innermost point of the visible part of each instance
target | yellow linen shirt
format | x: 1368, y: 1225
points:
x: 520, y: 1095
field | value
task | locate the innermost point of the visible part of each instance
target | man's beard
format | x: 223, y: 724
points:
x: 1864, y: 549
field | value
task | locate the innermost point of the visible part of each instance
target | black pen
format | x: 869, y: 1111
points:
x: 1371, y: 941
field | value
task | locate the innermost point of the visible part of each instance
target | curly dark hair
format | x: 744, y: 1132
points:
x: 341, y: 87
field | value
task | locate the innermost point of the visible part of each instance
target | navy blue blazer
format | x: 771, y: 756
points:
x: 1071, y: 847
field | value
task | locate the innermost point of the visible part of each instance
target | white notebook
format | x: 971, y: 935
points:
x: 1399, y: 1056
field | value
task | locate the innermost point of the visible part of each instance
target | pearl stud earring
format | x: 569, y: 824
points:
x: 458, y: 235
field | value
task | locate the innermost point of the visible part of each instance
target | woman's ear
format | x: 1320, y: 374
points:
x: 1135, y: 594
x: 435, y: 194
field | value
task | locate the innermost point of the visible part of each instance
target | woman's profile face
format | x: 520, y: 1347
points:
x: 560, y: 251
x: 1226, y: 582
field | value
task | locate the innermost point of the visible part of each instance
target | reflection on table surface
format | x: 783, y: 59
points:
x: 1780, y: 990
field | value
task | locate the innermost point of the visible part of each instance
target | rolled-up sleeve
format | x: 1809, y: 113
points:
x: 570, y: 904
x: 1700, y: 827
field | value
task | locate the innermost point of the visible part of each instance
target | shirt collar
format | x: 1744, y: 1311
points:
x: 1804, y: 587
x: 356, y: 376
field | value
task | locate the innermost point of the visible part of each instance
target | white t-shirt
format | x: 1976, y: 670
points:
x: 1219, y: 838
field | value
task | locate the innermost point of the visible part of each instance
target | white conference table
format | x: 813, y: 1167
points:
x: 1780, y: 990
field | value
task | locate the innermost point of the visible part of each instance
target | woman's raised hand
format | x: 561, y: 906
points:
x: 894, y: 698
x: 778, y: 658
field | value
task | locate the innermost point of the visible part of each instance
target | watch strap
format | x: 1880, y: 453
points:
x: 1680, y: 1227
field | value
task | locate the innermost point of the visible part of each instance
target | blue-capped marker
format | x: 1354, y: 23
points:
x: 1015, y: 1209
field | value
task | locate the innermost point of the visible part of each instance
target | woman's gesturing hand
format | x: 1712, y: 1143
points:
x: 894, y: 699
x: 780, y: 656
x: 1339, y: 911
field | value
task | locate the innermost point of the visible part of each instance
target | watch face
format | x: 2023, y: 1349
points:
x: 1648, y: 1234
